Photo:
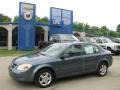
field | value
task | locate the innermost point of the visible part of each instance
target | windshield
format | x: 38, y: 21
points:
x: 68, y: 38
x: 87, y: 39
x: 53, y: 50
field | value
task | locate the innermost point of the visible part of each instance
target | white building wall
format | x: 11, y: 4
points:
x: 10, y: 37
x: 46, y: 29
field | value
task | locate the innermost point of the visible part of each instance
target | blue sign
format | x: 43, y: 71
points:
x: 26, y: 28
x: 61, y: 21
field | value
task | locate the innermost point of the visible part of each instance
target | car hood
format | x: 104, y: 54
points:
x: 112, y: 44
x: 32, y: 59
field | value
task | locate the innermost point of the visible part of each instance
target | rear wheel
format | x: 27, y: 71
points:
x: 102, y: 69
x: 44, y: 78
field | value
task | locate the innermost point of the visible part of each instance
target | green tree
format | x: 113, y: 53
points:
x: 118, y: 34
x: 118, y: 28
x: 78, y: 26
x: 86, y: 27
x: 16, y: 18
x: 4, y: 18
x: 104, y: 30
x: 38, y: 19
x: 43, y: 20
x: 94, y: 29
x: 113, y: 33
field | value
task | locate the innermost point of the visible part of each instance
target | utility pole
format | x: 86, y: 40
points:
x: 83, y: 27
x: 0, y: 17
x: 117, y: 34
x: 108, y: 33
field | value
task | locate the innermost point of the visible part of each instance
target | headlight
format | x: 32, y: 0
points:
x: 24, y: 67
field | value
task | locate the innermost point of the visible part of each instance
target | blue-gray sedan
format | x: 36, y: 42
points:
x: 60, y: 60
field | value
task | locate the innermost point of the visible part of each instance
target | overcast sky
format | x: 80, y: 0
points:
x: 93, y: 12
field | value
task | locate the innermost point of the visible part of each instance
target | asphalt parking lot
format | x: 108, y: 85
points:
x: 87, y: 82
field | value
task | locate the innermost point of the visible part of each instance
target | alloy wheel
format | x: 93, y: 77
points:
x: 45, y: 78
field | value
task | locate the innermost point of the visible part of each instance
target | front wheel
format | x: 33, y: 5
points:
x: 102, y: 69
x: 44, y: 78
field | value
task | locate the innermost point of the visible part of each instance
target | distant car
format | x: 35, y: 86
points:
x: 60, y: 60
x: 108, y: 44
x: 87, y: 39
x: 116, y: 40
x: 55, y: 38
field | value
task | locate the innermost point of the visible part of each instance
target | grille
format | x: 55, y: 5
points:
x: 13, y: 65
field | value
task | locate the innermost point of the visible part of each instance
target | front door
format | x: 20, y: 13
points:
x: 73, y: 63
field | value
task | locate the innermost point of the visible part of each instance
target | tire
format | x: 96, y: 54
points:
x: 102, y: 69
x: 116, y: 53
x: 44, y: 78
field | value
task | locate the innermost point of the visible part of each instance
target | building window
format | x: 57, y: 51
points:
x: 3, y: 37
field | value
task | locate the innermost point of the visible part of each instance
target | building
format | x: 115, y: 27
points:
x: 26, y: 34
x: 9, y: 34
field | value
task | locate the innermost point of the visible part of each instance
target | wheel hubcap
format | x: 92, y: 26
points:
x: 103, y: 69
x: 45, y: 79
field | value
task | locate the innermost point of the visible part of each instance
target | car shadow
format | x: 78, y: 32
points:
x: 24, y: 84
x: 75, y: 78
x: 57, y: 82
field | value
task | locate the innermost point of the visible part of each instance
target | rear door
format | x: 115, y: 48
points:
x: 91, y: 57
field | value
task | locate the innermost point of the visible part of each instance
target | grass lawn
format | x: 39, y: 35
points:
x: 15, y: 52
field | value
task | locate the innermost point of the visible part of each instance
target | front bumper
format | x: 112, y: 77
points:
x: 20, y: 76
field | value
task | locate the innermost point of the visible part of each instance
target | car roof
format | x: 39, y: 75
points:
x: 61, y: 34
x: 71, y: 43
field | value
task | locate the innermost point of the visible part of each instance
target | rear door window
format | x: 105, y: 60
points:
x: 91, y: 49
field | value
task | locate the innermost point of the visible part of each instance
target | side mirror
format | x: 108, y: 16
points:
x: 65, y: 55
